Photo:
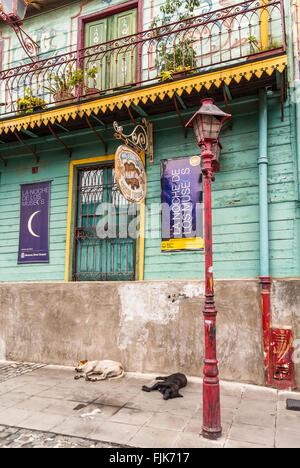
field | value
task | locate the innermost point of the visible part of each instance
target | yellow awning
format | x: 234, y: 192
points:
x: 247, y: 71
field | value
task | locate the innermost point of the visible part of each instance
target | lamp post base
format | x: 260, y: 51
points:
x: 211, y: 426
x: 212, y: 434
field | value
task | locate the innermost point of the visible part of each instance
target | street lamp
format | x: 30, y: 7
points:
x: 207, y: 123
x: 13, y: 12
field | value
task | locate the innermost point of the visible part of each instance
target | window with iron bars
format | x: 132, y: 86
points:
x: 105, y: 231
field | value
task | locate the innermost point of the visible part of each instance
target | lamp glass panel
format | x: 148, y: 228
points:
x: 21, y: 9
x: 198, y: 128
x: 211, y: 126
x: 214, y: 148
x: 7, y: 6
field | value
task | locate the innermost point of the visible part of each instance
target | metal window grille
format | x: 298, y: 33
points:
x: 105, y: 233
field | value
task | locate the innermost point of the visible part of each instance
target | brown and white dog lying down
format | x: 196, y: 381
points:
x: 109, y: 370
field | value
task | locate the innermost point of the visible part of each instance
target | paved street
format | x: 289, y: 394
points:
x: 46, y: 407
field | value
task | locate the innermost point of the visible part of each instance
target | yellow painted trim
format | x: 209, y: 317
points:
x: 264, y: 28
x: 69, y: 217
x: 96, y: 159
x: 247, y: 70
x: 142, y: 242
x: 142, y: 232
x: 78, y: 162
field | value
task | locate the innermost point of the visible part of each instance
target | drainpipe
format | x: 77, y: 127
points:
x: 264, y: 268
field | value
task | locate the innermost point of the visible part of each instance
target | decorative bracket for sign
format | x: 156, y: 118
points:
x: 141, y: 139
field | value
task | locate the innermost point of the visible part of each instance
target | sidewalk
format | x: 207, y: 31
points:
x: 48, y: 399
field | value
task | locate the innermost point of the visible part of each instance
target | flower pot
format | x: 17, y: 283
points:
x: 176, y: 75
x: 90, y: 92
x: 180, y: 74
x: 64, y: 97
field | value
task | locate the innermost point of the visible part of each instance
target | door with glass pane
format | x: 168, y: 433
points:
x: 105, y: 232
x: 116, y: 63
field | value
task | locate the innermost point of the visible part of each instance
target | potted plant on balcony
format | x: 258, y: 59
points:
x: 259, y: 51
x: 29, y: 103
x: 180, y: 59
x: 91, y: 75
x: 65, y: 85
x: 178, y: 63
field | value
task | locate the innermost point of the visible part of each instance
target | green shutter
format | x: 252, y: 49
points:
x: 97, y: 33
x: 123, y: 65
x: 114, y: 70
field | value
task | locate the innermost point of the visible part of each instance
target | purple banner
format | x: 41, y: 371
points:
x: 34, y: 223
x: 182, y: 204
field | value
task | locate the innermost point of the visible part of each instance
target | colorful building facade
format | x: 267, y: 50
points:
x: 130, y: 298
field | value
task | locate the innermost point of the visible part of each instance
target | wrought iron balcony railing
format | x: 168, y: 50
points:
x: 248, y: 31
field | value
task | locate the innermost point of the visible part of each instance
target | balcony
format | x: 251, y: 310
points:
x: 219, y: 40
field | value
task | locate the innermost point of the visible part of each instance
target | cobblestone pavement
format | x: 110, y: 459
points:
x: 13, y: 437
x: 9, y: 370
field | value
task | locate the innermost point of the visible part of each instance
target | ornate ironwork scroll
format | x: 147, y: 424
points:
x: 141, y: 139
x: 28, y: 44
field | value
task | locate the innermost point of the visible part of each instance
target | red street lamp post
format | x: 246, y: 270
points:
x: 207, y: 123
x: 13, y: 12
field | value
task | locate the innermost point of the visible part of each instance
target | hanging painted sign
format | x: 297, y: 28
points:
x: 182, y: 205
x: 130, y: 174
x: 34, y: 223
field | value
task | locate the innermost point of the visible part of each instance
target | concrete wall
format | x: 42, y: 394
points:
x: 151, y: 326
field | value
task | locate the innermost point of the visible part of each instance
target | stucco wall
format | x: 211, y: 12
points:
x: 152, y: 326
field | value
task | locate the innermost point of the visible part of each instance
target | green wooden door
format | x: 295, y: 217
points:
x: 115, y: 68
x: 105, y: 233
x: 124, y: 62
x: 96, y: 33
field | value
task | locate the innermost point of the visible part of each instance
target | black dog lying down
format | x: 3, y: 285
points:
x: 169, y: 387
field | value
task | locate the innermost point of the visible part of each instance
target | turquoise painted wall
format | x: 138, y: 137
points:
x: 235, y: 199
